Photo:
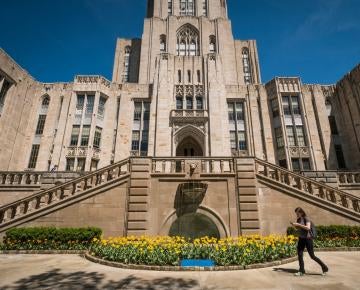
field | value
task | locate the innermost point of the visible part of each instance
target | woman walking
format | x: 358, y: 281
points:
x: 303, y: 224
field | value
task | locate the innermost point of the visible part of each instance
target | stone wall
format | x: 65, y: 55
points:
x: 276, y: 210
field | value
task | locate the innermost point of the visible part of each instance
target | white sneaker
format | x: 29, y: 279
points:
x: 298, y: 274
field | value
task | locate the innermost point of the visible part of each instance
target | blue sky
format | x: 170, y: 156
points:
x: 318, y: 40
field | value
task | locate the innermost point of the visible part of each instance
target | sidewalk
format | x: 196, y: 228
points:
x: 75, y: 272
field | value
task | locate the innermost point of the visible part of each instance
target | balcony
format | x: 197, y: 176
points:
x: 189, y: 116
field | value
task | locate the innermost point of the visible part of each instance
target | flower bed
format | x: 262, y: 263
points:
x: 334, y: 236
x: 165, y: 251
x: 50, y: 238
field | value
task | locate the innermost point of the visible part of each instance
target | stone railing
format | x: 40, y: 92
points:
x: 92, y: 80
x: 42, y: 200
x: 205, y: 165
x: 348, y: 178
x: 23, y: 178
x: 185, y: 115
x: 307, y: 186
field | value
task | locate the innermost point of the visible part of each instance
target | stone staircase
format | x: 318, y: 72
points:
x: 247, y: 195
x: 138, y: 199
x: 308, y: 189
x: 57, y: 197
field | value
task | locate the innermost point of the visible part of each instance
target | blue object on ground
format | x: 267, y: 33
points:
x: 197, y: 263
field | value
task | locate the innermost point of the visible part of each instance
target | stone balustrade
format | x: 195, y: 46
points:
x: 13, y: 178
x: 209, y: 165
x: 92, y: 80
x: 349, y: 178
x: 186, y: 115
x: 307, y: 185
x: 67, y: 190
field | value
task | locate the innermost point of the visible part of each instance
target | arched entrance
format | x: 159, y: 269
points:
x: 189, y: 147
x: 194, y: 225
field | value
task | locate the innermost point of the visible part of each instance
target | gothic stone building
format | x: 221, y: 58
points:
x: 185, y: 138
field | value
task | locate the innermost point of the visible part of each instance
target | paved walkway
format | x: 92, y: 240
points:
x: 74, y: 272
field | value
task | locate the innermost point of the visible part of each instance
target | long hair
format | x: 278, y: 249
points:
x: 301, y: 211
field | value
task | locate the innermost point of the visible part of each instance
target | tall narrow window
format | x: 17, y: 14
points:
x: 212, y: 44
x: 279, y: 138
x: 75, y: 135
x: 239, y: 111
x: 4, y: 89
x: 70, y: 164
x: 231, y: 113
x: 275, y: 108
x: 126, y: 74
x: 101, y: 108
x: 187, y: 41
x: 333, y: 126
x: 137, y: 111
x: 179, y: 76
x: 146, y: 111
x: 295, y: 164
x: 306, y: 164
x: 90, y: 104
x: 179, y: 103
x: 246, y: 66
x: 140, y: 133
x: 40, y: 125
x: 81, y: 164
x: 198, y: 76
x: 286, y: 105
x: 34, y: 156
x: 80, y: 104
x: 85, y: 135
x: 97, y: 137
x: 189, y: 76
x: 233, y: 140
x: 170, y: 7
x: 199, y: 103
x: 192, y: 48
x: 295, y: 105
x: 291, y: 135
x: 242, y: 140
x: 340, y: 157
x: 187, y: 7
x: 238, y: 140
x: 300, y: 134
x: 204, y: 8
x: 135, y: 140
x: 162, y: 43
x: 189, y: 103
x: 144, y: 143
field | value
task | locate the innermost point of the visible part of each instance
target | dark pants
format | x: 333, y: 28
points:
x: 308, y: 243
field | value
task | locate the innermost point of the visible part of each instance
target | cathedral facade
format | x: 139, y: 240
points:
x: 186, y: 90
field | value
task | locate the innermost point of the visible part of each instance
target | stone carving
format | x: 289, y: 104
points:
x: 189, y: 90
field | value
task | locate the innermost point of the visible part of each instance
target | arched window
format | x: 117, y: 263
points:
x: 212, y: 44
x: 45, y: 102
x: 187, y: 7
x: 126, y: 74
x: 205, y: 11
x: 170, y: 7
x: 162, y: 43
x: 187, y: 41
x: 246, y: 66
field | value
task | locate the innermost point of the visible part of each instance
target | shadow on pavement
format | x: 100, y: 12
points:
x: 55, y: 279
x: 293, y: 271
